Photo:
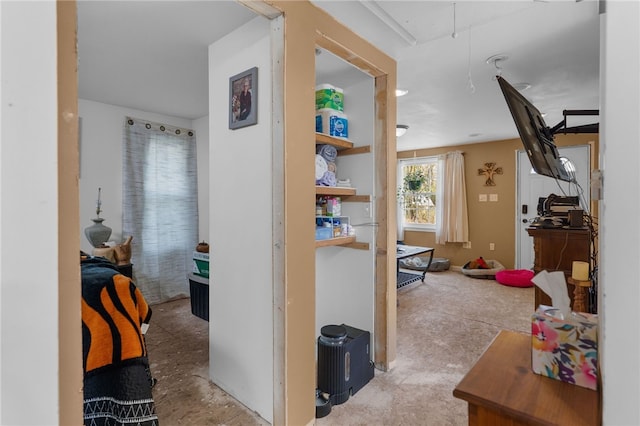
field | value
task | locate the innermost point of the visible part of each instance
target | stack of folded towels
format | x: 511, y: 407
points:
x: 326, y: 165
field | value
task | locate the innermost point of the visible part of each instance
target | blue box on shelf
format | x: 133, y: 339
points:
x: 323, y: 233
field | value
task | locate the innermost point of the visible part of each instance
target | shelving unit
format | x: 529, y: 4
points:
x: 338, y: 191
x: 344, y: 147
x: 338, y: 241
x: 364, y: 273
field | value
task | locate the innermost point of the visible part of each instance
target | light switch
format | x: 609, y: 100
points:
x: 493, y: 197
x: 482, y: 198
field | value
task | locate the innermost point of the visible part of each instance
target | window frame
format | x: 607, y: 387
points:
x: 431, y: 159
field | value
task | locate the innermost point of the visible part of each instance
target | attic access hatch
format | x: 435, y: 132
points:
x: 561, y: 127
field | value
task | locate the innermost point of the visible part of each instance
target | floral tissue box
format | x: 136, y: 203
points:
x: 565, y: 349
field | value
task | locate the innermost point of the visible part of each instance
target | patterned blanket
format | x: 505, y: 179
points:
x: 117, y: 379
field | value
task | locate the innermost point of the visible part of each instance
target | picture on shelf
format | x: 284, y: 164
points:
x: 243, y: 99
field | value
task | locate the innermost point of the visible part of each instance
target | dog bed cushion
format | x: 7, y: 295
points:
x: 515, y: 277
x: 494, y: 267
x: 418, y: 263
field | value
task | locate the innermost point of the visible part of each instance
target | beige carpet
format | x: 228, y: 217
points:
x: 443, y: 327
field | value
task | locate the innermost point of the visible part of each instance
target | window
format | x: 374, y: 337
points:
x: 160, y: 206
x: 418, y: 181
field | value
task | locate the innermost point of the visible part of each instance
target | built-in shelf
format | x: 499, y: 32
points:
x: 346, y: 194
x: 339, y: 143
x: 334, y: 190
x: 338, y: 241
x: 349, y: 242
x: 344, y: 147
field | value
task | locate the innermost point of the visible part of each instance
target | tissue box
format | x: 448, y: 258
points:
x: 565, y: 349
x: 332, y: 123
x: 328, y: 96
x: 201, y: 264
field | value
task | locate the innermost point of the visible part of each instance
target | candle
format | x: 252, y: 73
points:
x: 98, y: 203
x: 580, y: 271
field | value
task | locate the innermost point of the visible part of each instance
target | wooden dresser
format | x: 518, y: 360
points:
x: 555, y: 249
x: 502, y: 390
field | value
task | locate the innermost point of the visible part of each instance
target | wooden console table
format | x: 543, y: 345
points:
x: 501, y: 389
x: 555, y: 249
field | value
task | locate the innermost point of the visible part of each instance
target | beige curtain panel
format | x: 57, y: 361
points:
x: 452, y: 220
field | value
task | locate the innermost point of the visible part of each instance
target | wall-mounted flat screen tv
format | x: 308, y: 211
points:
x: 536, y: 136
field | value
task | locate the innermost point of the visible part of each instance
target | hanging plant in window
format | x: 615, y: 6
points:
x: 414, y: 179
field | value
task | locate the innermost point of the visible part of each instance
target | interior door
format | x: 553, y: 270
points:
x: 532, y: 186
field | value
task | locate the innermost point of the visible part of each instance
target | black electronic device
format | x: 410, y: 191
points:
x: 555, y: 205
x: 344, y: 361
x: 536, y: 136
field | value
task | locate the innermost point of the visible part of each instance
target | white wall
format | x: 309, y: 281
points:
x: 201, y: 128
x: 241, y: 284
x: 101, y: 163
x: 619, y: 212
x: 29, y: 214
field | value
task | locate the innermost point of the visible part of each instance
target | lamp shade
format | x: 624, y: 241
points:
x: 401, y: 129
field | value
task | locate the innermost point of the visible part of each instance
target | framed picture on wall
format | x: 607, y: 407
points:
x: 243, y: 99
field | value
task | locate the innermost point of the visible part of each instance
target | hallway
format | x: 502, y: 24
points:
x: 443, y: 327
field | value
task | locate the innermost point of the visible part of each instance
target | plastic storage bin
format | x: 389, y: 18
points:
x: 199, y: 290
x: 332, y: 227
x: 201, y: 264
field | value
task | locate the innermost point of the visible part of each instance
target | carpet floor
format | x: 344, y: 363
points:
x: 444, y: 325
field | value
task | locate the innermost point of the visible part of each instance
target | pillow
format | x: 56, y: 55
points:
x: 515, y: 277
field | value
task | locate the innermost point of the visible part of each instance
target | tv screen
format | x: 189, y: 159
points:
x: 536, y: 136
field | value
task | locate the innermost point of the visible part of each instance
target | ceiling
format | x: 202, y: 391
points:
x: 152, y: 56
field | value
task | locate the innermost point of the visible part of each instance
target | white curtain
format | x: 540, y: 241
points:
x: 400, y: 220
x: 399, y: 205
x: 160, y: 206
x: 452, y: 220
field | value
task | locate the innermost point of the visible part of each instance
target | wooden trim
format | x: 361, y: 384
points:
x: 357, y: 150
x: 357, y: 198
x: 334, y: 190
x: 339, y: 241
x: 69, y: 282
x: 385, y: 275
x: 339, y: 143
x: 358, y: 246
x: 326, y: 42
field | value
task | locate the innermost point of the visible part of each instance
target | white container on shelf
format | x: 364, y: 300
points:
x: 332, y: 123
x: 329, y: 96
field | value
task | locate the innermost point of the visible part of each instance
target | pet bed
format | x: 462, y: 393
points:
x: 515, y: 277
x: 418, y: 263
x: 494, y: 267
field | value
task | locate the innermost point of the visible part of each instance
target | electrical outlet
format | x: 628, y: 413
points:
x: 466, y: 245
x: 482, y: 198
x: 492, y: 246
x: 493, y: 197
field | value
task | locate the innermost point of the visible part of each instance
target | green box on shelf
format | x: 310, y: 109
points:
x: 201, y: 264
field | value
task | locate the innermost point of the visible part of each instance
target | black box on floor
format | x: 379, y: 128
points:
x: 199, y: 290
x: 344, y: 361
